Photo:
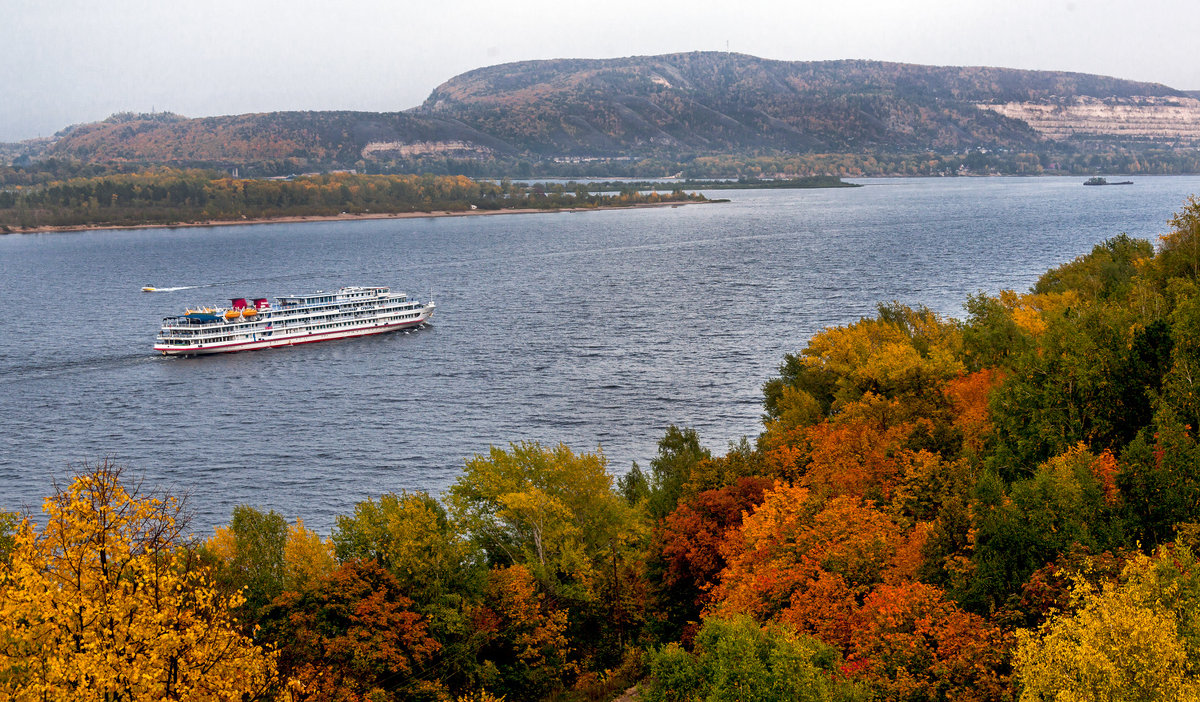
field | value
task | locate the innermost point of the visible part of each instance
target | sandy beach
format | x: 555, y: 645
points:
x: 344, y: 217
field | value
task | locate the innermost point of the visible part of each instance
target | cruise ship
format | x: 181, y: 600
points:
x: 296, y: 319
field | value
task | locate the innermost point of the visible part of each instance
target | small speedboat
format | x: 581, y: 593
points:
x: 149, y: 288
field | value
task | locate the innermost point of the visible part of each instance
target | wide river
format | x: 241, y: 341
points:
x: 597, y: 329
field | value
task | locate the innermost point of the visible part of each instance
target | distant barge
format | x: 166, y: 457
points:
x: 1102, y: 181
x: 296, y: 319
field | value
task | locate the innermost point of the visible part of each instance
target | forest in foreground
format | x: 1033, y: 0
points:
x: 1005, y: 507
x: 173, y: 196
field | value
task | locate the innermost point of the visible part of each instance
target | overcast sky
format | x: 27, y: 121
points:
x: 68, y: 61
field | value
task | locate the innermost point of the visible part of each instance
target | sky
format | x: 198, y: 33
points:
x: 65, y: 62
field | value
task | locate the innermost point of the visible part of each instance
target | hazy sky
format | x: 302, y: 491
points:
x: 68, y: 61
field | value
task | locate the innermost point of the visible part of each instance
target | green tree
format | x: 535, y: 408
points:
x: 1159, y: 480
x: 8, y: 529
x: 556, y: 514
x: 1181, y: 382
x: 634, y: 486
x: 1179, y: 251
x: 1060, y: 393
x: 1107, y: 271
x: 737, y: 660
x: 679, y: 452
x: 546, y: 508
x: 411, y: 535
x: 990, y: 335
x: 250, y: 556
x: 1069, y: 504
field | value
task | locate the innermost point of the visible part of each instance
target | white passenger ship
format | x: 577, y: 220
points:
x: 295, y: 319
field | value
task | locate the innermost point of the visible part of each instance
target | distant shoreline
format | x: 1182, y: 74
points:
x: 345, y: 217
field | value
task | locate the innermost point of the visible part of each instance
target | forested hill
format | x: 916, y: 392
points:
x: 712, y: 101
x: 678, y: 108
x: 328, y: 138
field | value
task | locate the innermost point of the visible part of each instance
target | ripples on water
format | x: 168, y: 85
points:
x: 596, y: 329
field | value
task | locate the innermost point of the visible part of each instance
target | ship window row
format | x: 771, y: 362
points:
x: 192, y: 338
x: 175, y: 341
x: 290, y: 306
x: 284, y: 319
x: 323, y: 324
x: 281, y: 325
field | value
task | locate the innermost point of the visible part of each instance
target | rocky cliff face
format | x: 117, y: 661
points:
x: 412, y: 149
x: 1167, y: 120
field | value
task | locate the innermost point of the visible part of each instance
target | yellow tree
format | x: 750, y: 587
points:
x: 306, y: 557
x: 108, y: 602
x: 1133, y: 640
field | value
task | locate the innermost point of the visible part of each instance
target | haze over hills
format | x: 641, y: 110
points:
x: 678, y: 106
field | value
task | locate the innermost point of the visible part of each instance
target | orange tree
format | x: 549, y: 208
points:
x: 844, y: 571
x: 441, y: 571
x: 353, y: 634
x: 525, y: 648
x: 686, y: 550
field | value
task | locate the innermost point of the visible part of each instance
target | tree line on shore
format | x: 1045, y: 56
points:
x: 977, y: 162
x: 1126, y: 160
x: 1004, y: 507
x: 171, y: 196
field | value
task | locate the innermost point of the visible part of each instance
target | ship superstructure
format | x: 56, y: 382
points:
x: 255, y: 323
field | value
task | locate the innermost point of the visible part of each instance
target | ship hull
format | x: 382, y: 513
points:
x: 255, y: 344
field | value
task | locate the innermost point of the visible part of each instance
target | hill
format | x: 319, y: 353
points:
x: 298, y: 139
x: 719, y: 102
x: 674, y: 109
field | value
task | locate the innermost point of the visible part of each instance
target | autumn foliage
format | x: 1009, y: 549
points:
x: 109, y: 600
x: 351, y: 634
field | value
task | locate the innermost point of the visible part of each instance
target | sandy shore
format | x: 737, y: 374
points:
x: 345, y: 217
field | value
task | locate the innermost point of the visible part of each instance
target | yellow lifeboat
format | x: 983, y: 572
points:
x: 232, y: 314
x: 249, y: 312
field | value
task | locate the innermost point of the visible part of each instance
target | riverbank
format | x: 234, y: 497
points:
x: 343, y: 217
